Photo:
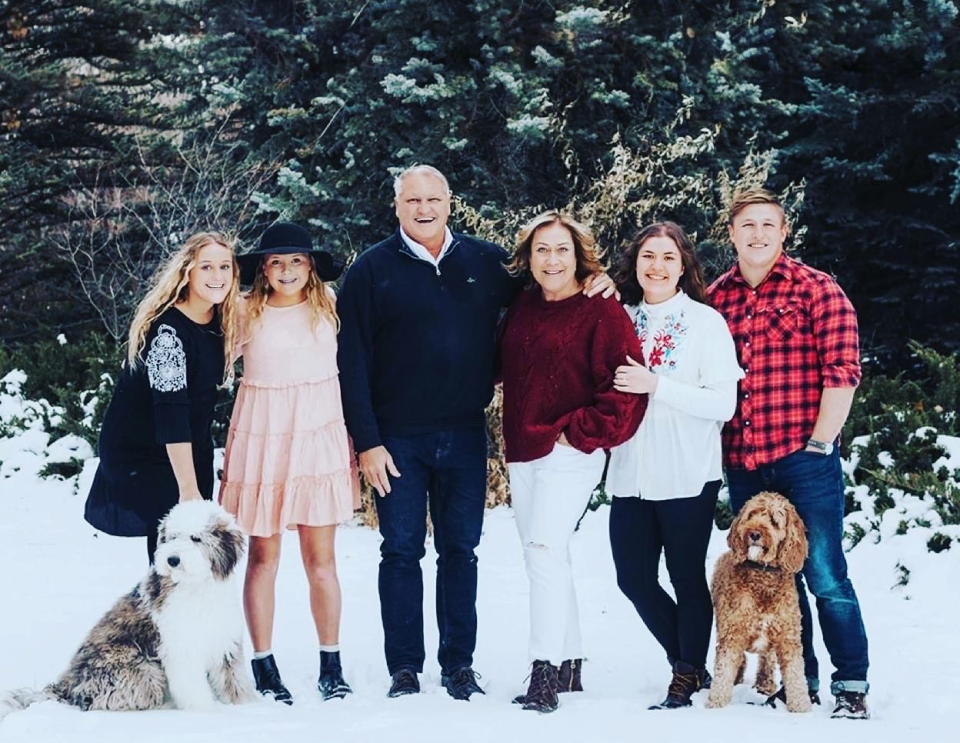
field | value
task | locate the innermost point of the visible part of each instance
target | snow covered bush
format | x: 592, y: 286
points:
x: 74, y: 376
x: 903, y: 467
x: 28, y: 448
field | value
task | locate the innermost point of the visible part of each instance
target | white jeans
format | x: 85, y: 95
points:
x: 549, y: 496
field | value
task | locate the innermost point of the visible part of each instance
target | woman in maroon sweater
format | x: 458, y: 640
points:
x: 559, y: 351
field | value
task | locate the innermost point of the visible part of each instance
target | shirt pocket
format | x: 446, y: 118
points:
x: 780, y: 321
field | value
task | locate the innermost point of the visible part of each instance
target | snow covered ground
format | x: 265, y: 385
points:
x: 59, y: 576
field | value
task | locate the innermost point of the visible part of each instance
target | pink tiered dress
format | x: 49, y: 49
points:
x: 289, y: 461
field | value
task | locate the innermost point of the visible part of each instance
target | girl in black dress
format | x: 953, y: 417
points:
x: 155, y: 444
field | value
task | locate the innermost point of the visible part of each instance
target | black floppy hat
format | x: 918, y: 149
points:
x: 284, y: 238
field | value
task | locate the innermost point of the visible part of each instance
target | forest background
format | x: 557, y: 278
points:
x: 126, y: 126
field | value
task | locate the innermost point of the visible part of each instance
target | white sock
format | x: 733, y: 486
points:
x: 330, y: 648
x: 262, y: 654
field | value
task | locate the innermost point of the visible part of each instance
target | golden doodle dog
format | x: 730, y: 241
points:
x: 755, y: 600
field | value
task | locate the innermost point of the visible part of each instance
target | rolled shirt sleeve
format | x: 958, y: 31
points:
x: 836, y: 336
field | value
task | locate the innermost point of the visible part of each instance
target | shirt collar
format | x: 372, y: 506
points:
x: 661, y: 309
x: 421, y: 252
x: 784, y: 266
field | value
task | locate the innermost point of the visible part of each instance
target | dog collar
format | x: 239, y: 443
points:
x: 761, y: 566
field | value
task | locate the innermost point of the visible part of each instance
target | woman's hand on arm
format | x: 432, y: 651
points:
x: 634, y: 377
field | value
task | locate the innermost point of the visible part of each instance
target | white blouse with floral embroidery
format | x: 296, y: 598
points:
x: 676, y: 450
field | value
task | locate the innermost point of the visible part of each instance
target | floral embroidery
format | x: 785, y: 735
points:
x: 667, y: 339
x: 166, y: 361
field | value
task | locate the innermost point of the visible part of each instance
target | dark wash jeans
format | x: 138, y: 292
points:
x: 640, y: 531
x: 446, y: 471
x: 813, y: 483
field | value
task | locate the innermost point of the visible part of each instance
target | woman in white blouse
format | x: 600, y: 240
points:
x: 666, y: 478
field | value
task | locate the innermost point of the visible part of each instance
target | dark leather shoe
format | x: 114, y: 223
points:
x: 543, y: 693
x: 851, y: 705
x: 706, y: 680
x: 569, y: 675
x: 331, y: 682
x: 266, y: 675
x: 462, y: 683
x: 404, y: 682
x: 687, y: 680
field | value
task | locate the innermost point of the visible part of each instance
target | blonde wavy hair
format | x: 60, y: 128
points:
x: 170, y: 285
x: 320, y: 297
x: 586, y: 250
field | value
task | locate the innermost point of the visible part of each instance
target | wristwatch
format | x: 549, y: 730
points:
x: 824, y: 447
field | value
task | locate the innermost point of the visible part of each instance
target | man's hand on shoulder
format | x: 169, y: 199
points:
x: 375, y: 463
x: 602, y: 284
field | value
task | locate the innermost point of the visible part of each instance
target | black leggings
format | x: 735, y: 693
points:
x: 639, y: 531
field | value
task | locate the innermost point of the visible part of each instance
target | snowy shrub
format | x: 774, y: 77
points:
x: 75, y: 378
x: 903, y: 468
x: 938, y: 542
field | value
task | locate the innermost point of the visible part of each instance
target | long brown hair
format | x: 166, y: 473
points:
x: 171, y: 284
x: 691, y: 280
x: 585, y: 246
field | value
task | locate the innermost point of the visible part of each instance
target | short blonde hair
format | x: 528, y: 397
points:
x: 742, y: 199
x: 585, y: 246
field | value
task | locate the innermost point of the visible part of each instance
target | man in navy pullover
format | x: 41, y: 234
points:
x: 418, y: 315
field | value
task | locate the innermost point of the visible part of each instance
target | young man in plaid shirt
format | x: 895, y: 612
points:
x: 796, y: 338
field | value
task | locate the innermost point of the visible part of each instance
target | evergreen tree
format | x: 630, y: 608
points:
x: 306, y: 109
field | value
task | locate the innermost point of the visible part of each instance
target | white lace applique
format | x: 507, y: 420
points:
x: 166, y: 361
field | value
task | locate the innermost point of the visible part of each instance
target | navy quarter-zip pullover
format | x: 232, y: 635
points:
x: 417, y: 341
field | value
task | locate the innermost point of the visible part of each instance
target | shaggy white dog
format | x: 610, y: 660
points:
x: 177, y: 637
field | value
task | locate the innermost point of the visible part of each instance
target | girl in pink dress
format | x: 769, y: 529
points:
x: 288, y: 459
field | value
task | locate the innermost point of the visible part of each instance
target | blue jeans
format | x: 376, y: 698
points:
x: 446, y: 470
x: 813, y: 483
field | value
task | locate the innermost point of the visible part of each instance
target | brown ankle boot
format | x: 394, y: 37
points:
x: 541, y: 695
x: 686, y: 681
x: 569, y: 675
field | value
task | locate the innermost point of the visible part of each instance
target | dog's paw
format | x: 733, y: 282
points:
x: 246, y: 696
x: 196, y: 704
x: 799, y: 705
x: 714, y: 703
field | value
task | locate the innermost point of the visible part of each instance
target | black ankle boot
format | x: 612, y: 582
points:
x: 569, y: 675
x: 542, y: 694
x: 686, y: 681
x: 267, y: 677
x: 331, y: 683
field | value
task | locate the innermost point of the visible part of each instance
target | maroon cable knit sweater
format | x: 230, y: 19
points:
x: 558, y: 360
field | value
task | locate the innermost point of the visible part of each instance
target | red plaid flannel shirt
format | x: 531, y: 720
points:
x: 796, y: 333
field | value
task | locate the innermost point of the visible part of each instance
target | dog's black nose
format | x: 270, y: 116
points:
x: 173, y: 561
x: 754, y: 536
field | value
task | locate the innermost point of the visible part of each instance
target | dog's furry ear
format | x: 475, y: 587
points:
x: 162, y: 531
x: 230, y: 544
x: 793, y: 551
x: 734, y: 542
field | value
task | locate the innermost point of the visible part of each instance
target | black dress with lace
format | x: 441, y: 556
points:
x: 167, y: 398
